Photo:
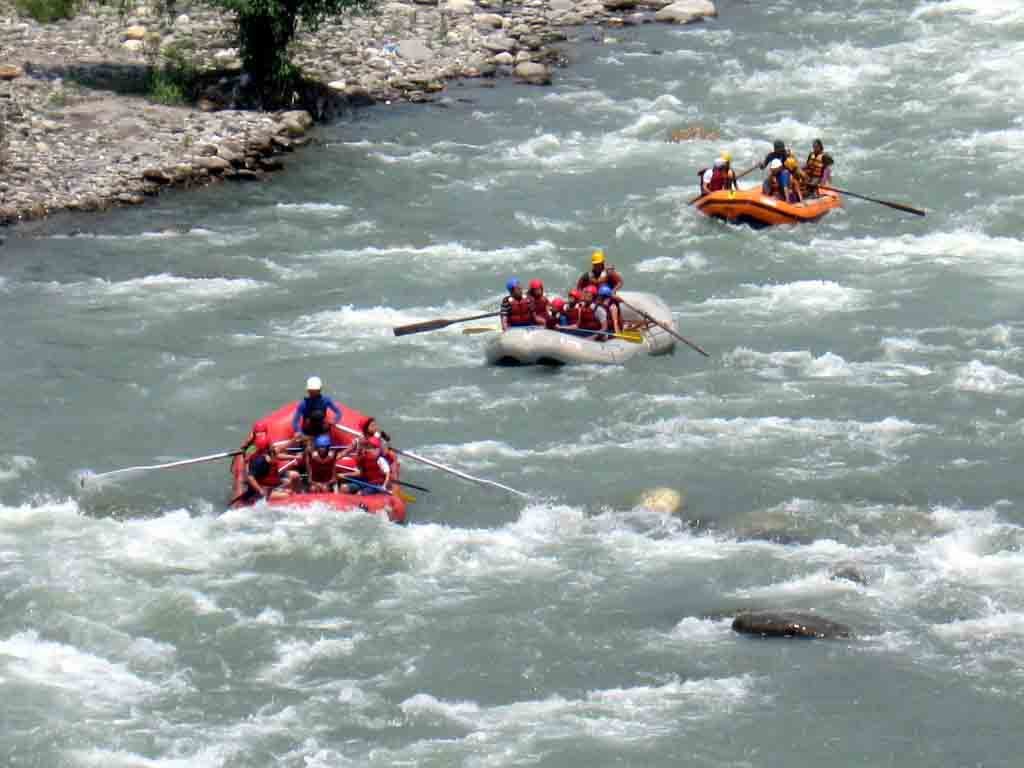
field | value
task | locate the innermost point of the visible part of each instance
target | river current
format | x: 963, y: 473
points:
x: 861, y: 407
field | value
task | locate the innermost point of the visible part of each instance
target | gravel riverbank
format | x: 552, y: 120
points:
x: 78, y: 132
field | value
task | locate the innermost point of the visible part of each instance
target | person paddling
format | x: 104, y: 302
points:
x: 613, y: 315
x: 258, y: 428
x: 789, y: 180
x: 814, y: 168
x: 538, y: 303
x: 262, y: 476
x: 373, y: 468
x: 779, y: 152
x: 321, y: 465
x: 516, y: 311
x: 720, y: 176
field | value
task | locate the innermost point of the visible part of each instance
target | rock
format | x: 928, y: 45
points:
x: 504, y: 58
x: 489, y: 21
x: 10, y: 72
x: 458, y: 7
x: 282, y: 143
x: 246, y: 174
x: 126, y: 198
x: 686, y: 11
x: 181, y: 21
x: 213, y: 164
x: 133, y: 45
x: 620, y: 5
x: 358, y: 96
x: 338, y: 86
x: 533, y: 73
x: 296, y: 122
x: 414, y: 50
x: 271, y: 164
x: 136, y: 32
x: 561, y: 5
x: 226, y: 54
x: 788, y: 624
x: 498, y: 43
x: 425, y: 2
x: 156, y: 175
x: 849, y: 572
x: 261, y: 144
x: 667, y: 501
x: 206, y: 150
x: 208, y: 105
x: 231, y: 152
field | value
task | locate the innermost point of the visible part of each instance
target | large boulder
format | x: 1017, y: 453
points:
x: 788, y: 624
x: 414, y: 50
x: 499, y: 43
x: 533, y: 72
x: 10, y: 71
x: 686, y: 11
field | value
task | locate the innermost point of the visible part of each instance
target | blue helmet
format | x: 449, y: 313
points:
x: 323, y: 441
x: 604, y: 290
x: 513, y: 282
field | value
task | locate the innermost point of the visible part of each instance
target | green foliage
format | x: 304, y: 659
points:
x: 267, y: 27
x: 45, y: 11
x: 174, y: 75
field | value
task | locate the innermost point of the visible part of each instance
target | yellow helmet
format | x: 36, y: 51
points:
x: 727, y: 156
x: 597, y: 257
x: 791, y: 163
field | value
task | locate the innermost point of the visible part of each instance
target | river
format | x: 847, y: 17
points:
x: 861, y: 407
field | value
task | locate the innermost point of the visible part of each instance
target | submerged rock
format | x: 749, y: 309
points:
x: 667, y: 501
x: 788, y: 624
x: 849, y: 572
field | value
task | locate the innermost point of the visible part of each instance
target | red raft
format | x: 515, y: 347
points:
x: 279, y: 429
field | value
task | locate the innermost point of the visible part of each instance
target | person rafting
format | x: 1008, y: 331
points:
x: 262, y: 475
x: 789, y: 180
x: 826, y: 175
x: 588, y: 321
x: 321, y: 465
x: 258, y: 428
x: 516, y: 309
x: 779, y: 152
x: 374, y: 469
x: 612, y: 319
x: 814, y: 168
x: 772, y: 186
x: 720, y: 176
x: 559, y: 317
x: 372, y: 429
x: 310, y: 417
x: 599, y: 273
x: 538, y: 303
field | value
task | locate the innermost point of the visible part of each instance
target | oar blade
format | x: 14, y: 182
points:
x: 426, y: 325
x: 479, y: 329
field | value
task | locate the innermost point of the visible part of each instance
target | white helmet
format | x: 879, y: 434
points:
x: 314, y: 384
x: 776, y: 163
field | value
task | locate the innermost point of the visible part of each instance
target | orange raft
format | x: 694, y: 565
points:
x: 279, y: 429
x: 750, y: 206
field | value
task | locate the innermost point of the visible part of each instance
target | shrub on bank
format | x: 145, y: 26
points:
x: 45, y: 11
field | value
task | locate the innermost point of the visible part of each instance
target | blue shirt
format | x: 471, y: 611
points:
x: 310, y: 404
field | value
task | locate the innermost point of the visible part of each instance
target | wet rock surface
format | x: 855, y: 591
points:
x: 789, y: 624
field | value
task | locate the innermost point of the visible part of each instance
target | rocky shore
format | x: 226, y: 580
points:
x: 77, y: 131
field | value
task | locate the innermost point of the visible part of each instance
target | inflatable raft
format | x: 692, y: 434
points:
x: 540, y: 346
x: 279, y: 429
x: 750, y: 206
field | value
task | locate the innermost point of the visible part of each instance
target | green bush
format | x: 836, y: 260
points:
x: 174, y: 80
x: 165, y: 90
x: 45, y: 11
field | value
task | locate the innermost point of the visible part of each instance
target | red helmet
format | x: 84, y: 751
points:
x: 591, y: 290
x: 558, y: 303
x: 536, y: 285
x: 259, y: 426
x: 575, y: 294
x: 262, y: 442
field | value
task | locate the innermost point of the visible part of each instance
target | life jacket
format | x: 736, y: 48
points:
x: 264, y: 470
x: 815, y: 166
x: 719, y: 179
x: 588, y: 318
x: 369, y: 470
x: 540, y: 308
x: 519, y: 311
x: 309, y: 425
x: 321, y: 469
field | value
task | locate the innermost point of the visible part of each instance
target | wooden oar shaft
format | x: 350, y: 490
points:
x: 442, y: 467
x: 435, y: 325
x: 889, y: 203
x: 665, y: 328
x: 168, y: 465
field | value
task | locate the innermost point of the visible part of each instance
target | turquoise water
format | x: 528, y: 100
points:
x: 861, y: 406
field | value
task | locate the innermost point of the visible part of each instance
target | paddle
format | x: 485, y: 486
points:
x: 889, y: 203
x: 664, y: 327
x: 169, y: 465
x: 634, y: 337
x: 443, y: 468
x: 738, y: 177
x: 435, y: 325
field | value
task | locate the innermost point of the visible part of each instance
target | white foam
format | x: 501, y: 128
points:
x: 14, y: 466
x: 805, y: 298
x: 989, y: 379
x: 693, y: 262
x: 296, y: 656
x: 804, y: 364
x: 329, y: 209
